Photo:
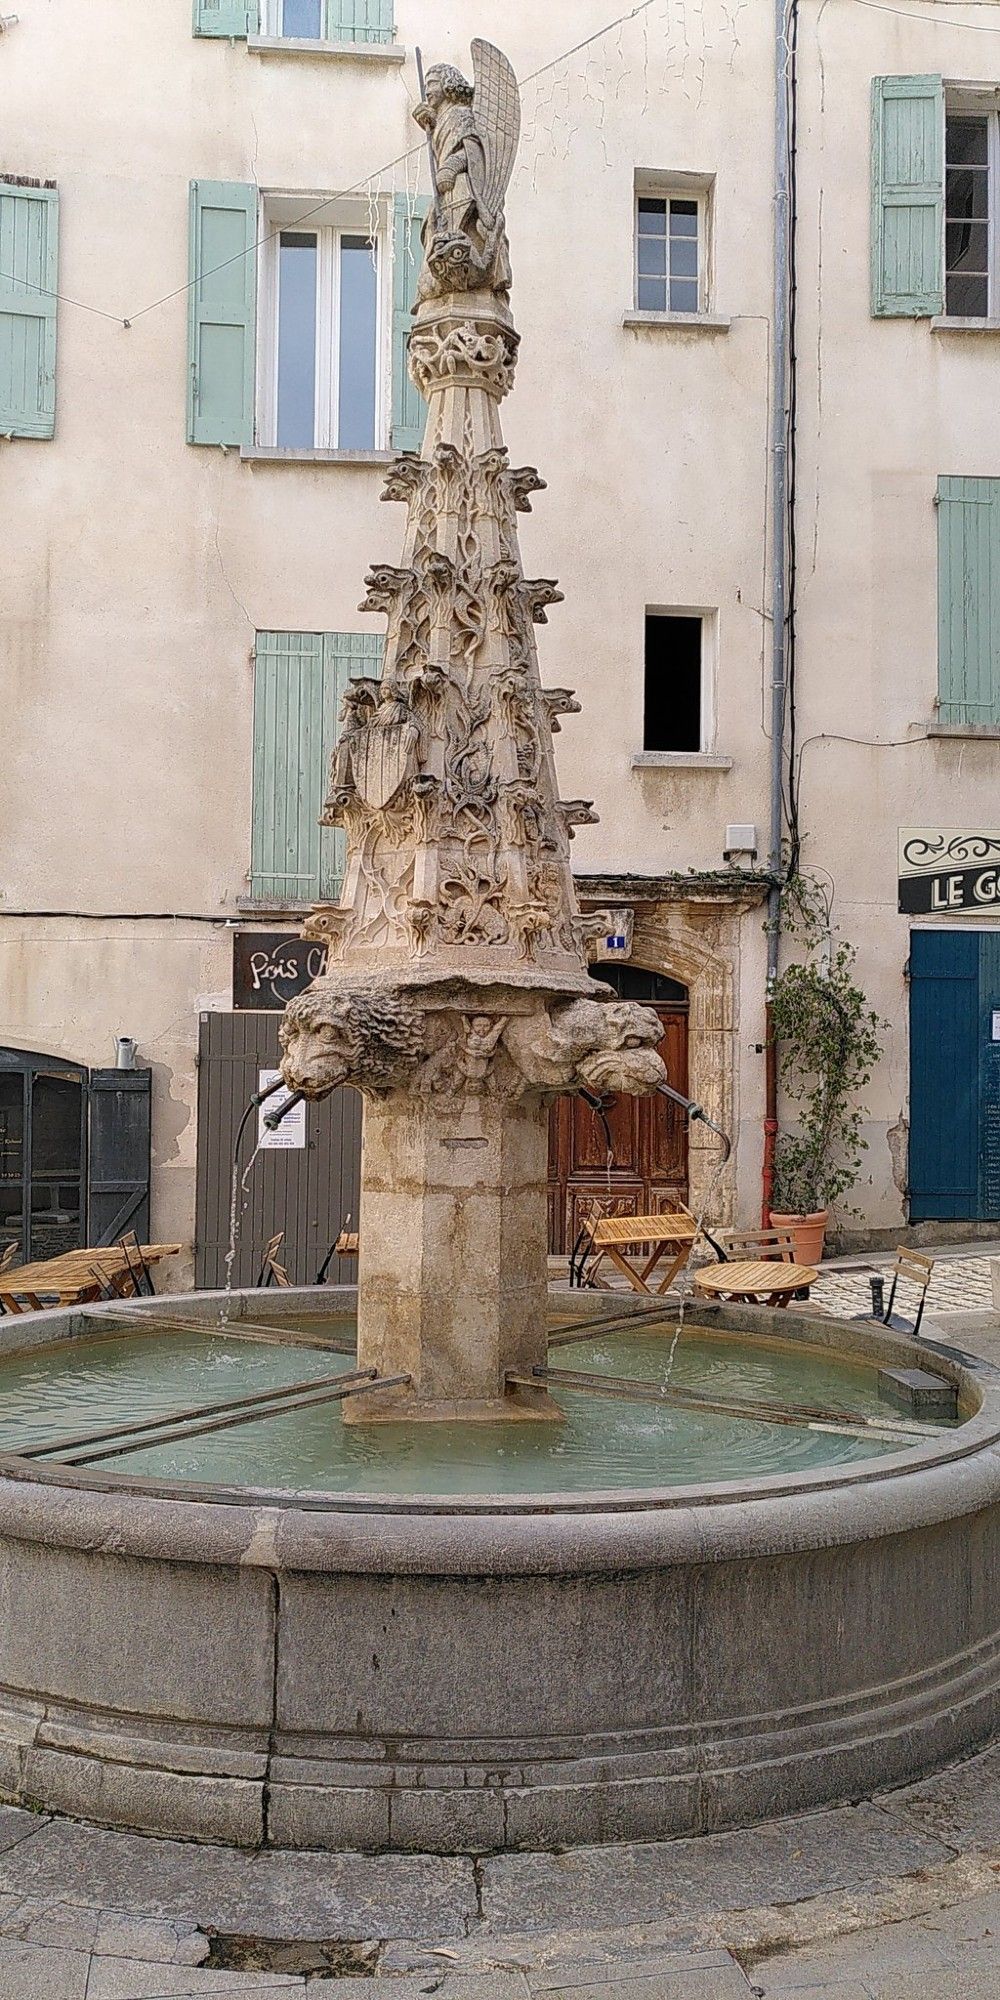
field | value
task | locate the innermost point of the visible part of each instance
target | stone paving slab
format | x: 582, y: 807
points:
x: 960, y: 1805
x: 31, y: 1972
x: 16, y: 1825
x: 952, y: 1955
x: 279, y: 1895
x: 121, y: 1979
x: 684, y: 1878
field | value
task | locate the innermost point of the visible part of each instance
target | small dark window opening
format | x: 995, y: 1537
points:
x: 633, y: 982
x: 967, y: 219
x: 672, y: 717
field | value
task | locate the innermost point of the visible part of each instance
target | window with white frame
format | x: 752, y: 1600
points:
x: 670, y: 251
x: 322, y: 350
x: 328, y: 20
x: 972, y: 211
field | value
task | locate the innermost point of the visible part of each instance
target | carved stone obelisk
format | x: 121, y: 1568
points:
x: 457, y: 996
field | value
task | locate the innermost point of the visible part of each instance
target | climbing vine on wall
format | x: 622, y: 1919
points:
x: 828, y: 1042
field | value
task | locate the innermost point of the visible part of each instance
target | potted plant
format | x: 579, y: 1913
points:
x: 828, y: 1043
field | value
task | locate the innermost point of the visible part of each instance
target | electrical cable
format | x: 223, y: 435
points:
x: 357, y: 188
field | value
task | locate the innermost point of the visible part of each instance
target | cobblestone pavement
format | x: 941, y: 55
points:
x: 958, y: 1284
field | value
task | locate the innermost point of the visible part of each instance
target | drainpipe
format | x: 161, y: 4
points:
x: 779, y: 559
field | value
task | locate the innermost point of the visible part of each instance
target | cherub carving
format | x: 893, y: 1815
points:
x: 482, y: 1035
x: 472, y: 132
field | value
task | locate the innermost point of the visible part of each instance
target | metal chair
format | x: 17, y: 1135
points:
x: 138, y: 1269
x: 915, y: 1270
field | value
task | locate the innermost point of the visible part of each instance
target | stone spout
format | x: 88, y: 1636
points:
x: 451, y: 1043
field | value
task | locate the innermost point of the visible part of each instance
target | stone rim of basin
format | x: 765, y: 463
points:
x: 928, y: 1480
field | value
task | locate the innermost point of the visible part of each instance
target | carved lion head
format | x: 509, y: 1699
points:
x: 332, y: 1035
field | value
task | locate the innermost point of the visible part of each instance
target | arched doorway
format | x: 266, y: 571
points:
x: 648, y: 1134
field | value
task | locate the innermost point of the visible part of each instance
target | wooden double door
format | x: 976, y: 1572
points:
x: 649, y: 1168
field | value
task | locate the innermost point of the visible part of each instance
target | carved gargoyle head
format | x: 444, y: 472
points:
x: 386, y: 586
x: 335, y: 1034
x: 405, y: 477
x: 524, y: 480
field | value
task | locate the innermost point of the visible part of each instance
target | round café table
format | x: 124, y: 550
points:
x: 767, y: 1283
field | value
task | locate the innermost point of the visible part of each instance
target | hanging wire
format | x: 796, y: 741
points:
x: 359, y: 187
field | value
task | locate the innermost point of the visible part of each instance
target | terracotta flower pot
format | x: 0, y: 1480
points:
x: 807, y: 1233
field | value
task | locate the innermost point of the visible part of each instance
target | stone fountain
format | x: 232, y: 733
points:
x: 663, y: 1620
x: 457, y: 997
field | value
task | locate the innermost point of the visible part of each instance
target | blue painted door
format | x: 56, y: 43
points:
x: 954, y: 1076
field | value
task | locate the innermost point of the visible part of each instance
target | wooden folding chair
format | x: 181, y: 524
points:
x: 271, y: 1272
x: 9, y: 1257
x: 915, y: 1270
x: 762, y: 1246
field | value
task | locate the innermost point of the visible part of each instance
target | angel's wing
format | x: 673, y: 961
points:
x: 497, y: 112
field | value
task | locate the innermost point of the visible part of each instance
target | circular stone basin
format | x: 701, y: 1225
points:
x: 665, y: 1615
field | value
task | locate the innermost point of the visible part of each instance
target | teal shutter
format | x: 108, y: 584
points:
x: 907, y: 196
x: 299, y: 682
x: 29, y: 254
x: 221, y: 315
x: 409, y: 411
x: 969, y: 601
x: 229, y: 18
x: 359, y: 20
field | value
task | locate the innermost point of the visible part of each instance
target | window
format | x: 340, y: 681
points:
x: 329, y: 20
x: 674, y: 717
x: 362, y: 21
x: 29, y: 243
x: 319, y: 383
x: 968, y: 517
x: 313, y: 356
x: 303, y: 18
x: 669, y: 253
x: 972, y: 156
x: 299, y: 682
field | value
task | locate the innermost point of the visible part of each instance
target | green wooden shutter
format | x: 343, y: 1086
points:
x: 299, y: 683
x: 359, y: 20
x: 223, y: 297
x: 409, y: 411
x: 229, y: 18
x: 907, y: 196
x: 969, y: 601
x: 29, y: 253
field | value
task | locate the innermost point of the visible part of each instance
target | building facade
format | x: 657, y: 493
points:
x: 209, y: 233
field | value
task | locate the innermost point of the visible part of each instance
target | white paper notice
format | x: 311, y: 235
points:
x: 290, y: 1136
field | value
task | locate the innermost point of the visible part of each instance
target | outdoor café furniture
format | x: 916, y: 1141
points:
x: 608, y: 1238
x: 916, y: 1270
x: 271, y: 1272
x: 78, y: 1276
x: 765, y: 1281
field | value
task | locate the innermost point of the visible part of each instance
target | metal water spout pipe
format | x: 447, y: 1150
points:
x: 697, y: 1111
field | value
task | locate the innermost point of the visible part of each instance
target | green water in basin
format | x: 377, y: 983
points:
x: 80, y: 1386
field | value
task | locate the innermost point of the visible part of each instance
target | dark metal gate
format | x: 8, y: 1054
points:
x: 308, y: 1194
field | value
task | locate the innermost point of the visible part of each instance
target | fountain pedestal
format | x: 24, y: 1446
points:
x: 452, y: 1280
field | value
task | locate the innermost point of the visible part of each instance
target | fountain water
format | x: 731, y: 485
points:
x: 223, y: 1614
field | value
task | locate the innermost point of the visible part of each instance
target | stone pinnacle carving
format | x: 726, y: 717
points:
x: 457, y: 996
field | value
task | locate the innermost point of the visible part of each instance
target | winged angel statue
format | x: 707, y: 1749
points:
x: 472, y: 132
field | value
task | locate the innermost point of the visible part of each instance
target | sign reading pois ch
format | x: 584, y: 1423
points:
x: 948, y: 871
x: 271, y: 967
